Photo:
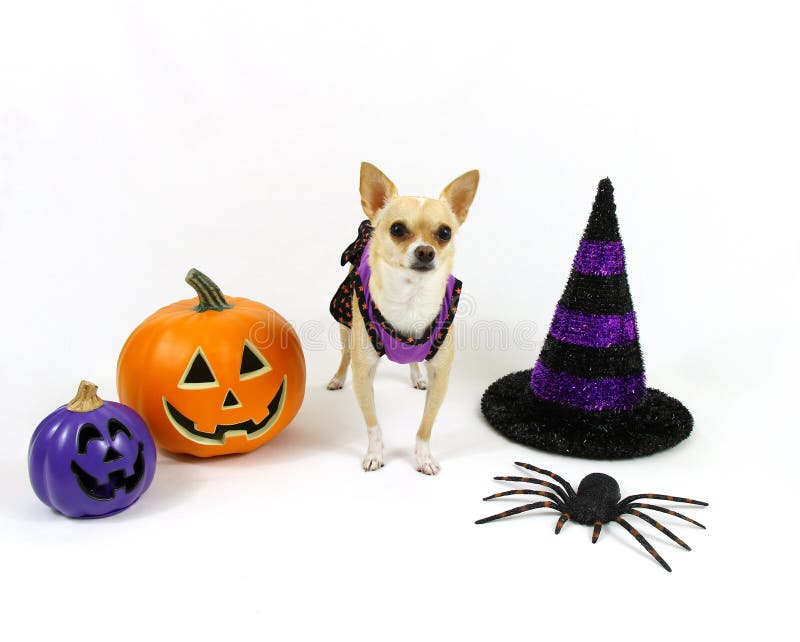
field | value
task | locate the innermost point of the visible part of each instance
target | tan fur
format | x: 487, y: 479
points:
x: 408, y: 299
x: 338, y: 379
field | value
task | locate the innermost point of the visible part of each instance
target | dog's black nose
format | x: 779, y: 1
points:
x: 425, y: 253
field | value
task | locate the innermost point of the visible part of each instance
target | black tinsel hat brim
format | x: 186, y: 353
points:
x: 655, y: 423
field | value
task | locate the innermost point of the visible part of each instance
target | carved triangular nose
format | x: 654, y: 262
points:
x: 231, y: 401
x: 111, y: 455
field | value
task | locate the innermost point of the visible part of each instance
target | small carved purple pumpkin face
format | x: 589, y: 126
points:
x: 91, y: 463
x: 107, y: 460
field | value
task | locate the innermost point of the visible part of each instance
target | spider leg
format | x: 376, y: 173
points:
x: 661, y: 509
x: 596, y: 533
x: 643, y: 542
x: 514, y: 511
x: 542, y: 471
x: 561, y: 521
x: 527, y: 491
x: 659, y: 526
x: 540, y: 482
x: 670, y: 498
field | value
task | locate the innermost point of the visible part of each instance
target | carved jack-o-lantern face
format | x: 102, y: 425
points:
x: 213, y: 375
x: 233, y: 397
x: 107, y: 461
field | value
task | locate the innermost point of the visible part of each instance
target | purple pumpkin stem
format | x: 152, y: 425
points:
x: 86, y: 399
x: 208, y: 292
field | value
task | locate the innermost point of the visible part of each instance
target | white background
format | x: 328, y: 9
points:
x: 140, y: 139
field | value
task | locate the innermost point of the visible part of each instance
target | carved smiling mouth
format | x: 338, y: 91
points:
x: 116, y: 479
x: 251, y: 429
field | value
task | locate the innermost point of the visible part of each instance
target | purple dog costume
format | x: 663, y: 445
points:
x: 385, y: 339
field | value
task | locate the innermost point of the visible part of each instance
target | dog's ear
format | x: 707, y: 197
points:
x: 376, y: 189
x: 460, y: 193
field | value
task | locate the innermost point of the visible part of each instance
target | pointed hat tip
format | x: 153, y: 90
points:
x: 603, y: 221
x: 605, y: 194
x: 605, y: 187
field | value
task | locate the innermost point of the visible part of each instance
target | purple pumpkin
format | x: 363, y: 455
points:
x: 91, y: 458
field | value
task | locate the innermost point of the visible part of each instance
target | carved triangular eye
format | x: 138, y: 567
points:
x: 86, y: 433
x: 253, y: 362
x: 198, y: 373
x: 115, y: 427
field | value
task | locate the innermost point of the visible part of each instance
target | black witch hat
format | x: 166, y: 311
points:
x: 586, y: 396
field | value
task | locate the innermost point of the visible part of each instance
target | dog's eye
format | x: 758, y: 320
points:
x: 398, y: 230
x: 444, y: 233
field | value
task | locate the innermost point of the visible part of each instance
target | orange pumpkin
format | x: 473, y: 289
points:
x: 213, y: 375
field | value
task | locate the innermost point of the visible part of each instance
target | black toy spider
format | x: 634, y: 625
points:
x: 597, y: 502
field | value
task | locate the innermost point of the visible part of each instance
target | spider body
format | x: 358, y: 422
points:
x: 596, y: 502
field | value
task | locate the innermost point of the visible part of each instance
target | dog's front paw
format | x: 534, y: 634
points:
x: 426, y: 464
x: 372, y: 461
x: 336, y: 383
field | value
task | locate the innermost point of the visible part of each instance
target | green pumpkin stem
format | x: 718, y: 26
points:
x: 208, y: 292
x: 86, y: 400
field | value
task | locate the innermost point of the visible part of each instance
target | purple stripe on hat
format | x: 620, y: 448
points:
x: 600, y: 257
x: 593, y: 330
x: 617, y: 393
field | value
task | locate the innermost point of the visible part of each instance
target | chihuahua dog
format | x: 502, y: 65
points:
x: 399, y: 298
